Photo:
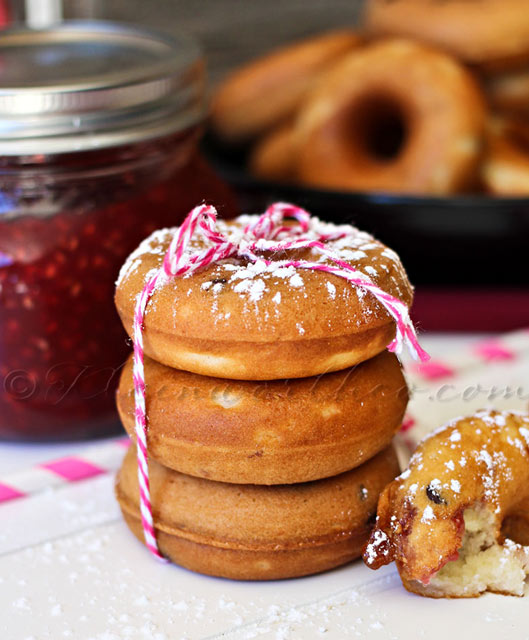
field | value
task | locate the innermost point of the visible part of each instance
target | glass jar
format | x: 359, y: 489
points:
x: 98, y: 147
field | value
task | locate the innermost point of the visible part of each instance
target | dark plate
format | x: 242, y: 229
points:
x: 473, y: 240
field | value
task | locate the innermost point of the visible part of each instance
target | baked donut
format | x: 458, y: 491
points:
x: 269, y: 432
x: 274, y: 157
x: 490, y: 33
x: 396, y: 116
x: 509, y: 92
x: 441, y: 519
x: 505, y: 167
x: 267, y: 91
x: 263, y: 320
x: 250, y: 532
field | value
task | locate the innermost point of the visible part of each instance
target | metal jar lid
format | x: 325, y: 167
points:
x: 87, y: 85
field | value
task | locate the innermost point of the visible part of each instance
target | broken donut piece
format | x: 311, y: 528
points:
x: 446, y: 520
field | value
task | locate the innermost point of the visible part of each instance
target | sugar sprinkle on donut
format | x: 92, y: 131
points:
x: 252, y: 280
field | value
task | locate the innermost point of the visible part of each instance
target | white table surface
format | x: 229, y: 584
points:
x: 69, y: 568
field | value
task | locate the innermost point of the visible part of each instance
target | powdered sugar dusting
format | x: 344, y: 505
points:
x: 258, y: 283
x: 296, y: 281
x: 331, y: 289
x: 427, y: 514
x: 254, y: 288
x: 152, y: 244
x: 377, y: 546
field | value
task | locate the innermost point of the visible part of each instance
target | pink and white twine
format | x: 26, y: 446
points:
x: 259, y: 236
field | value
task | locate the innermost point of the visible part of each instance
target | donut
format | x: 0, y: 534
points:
x: 262, y: 320
x: 274, y: 157
x: 250, y: 532
x: 441, y: 519
x: 508, y: 93
x: 395, y: 116
x: 505, y: 168
x: 267, y: 91
x: 276, y: 432
x: 492, y: 34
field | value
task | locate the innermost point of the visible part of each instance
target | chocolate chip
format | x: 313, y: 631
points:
x: 433, y: 494
x: 219, y: 281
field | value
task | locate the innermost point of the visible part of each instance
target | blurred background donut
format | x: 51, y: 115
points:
x: 489, y: 33
x: 269, y: 90
x: 355, y: 111
x: 505, y: 170
x: 363, y: 129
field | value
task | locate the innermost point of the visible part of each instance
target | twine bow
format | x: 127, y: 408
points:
x: 268, y: 233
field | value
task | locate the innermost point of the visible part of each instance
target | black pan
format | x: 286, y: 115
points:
x: 473, y: 240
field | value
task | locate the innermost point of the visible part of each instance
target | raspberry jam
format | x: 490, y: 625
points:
x: 99, y: 125
x: 64, y: 234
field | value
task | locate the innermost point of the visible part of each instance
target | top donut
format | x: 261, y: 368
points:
x: 258, y: 319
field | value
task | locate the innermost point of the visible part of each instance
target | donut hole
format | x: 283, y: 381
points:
x: 378, y: 127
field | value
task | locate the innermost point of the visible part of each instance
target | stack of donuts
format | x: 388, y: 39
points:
x: 270, y: 397
x: 429, y: 97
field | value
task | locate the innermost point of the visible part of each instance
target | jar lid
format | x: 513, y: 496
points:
x: 87, y: 85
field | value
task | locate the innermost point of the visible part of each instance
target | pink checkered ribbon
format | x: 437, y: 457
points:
x: 267, y: 233
x: 89, y: 463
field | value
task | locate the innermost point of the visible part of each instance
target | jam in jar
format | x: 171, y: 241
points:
x: 97, y: 150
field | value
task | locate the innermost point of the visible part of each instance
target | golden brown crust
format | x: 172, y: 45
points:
x: 275, y: 432
x: 498, y: 35
x: 243, y: 564
x: 344, y: 126
x: 255, y: 532
x: 480, y: 462
x: 244, y: 321
x: 505, y: 168
x: 247, y: 360
x: 267, y: 91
